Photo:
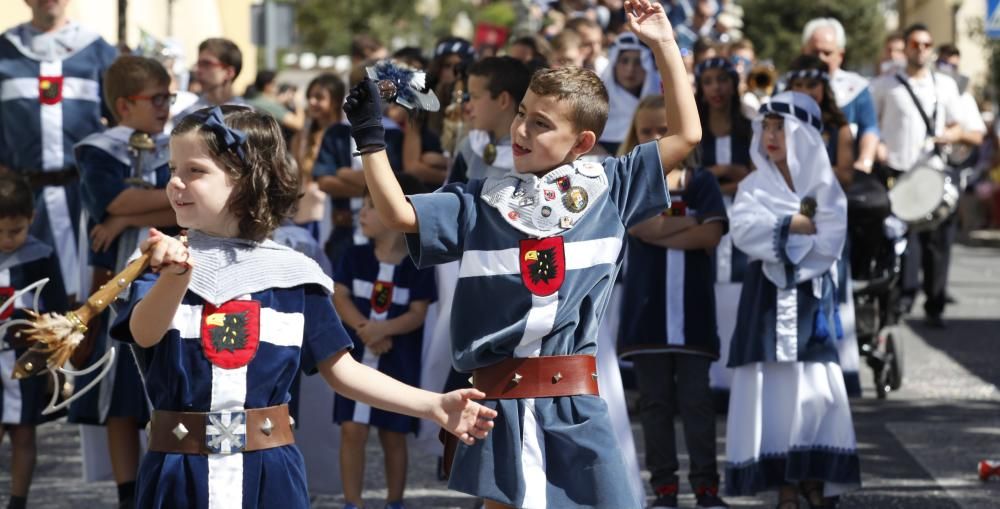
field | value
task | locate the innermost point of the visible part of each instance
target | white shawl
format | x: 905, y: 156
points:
x: 621, y: 103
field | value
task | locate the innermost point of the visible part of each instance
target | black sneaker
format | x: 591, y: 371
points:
x: 664, y: 502
x: 709, y: 499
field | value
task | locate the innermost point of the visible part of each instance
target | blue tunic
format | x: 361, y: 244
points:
x: 496, y: 316
x: 51, y: 100
x: 22, y: 401
x: 382, y: 291
x: 669, y: 304
x: 731, y: 262
x: 298, y: 328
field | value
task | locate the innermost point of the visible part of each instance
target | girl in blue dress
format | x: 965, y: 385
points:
x: 224, y: 321
x: 790, y: 424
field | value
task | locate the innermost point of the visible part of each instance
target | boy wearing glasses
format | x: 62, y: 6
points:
x: 123, y: 172
x: 219, y: 63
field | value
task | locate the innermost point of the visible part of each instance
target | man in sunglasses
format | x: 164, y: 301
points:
x: 919, y: 111
x: 50, y: 72
x: 825, y: 38
x: 219, y: 63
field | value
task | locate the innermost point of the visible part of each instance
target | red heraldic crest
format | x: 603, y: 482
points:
x: 678, y: 208
x: 230, y: 333
x: 381, y: 296
x: 543, y: 265
x: 7, y: 293
x: 50, y: 89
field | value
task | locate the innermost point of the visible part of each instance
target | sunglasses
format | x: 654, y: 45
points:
x: 158, y: 100
x: 921, y: 45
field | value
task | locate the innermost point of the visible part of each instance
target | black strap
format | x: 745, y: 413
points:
x: 928, y: 121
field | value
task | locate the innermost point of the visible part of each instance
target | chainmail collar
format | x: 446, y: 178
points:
x: 226, y: 268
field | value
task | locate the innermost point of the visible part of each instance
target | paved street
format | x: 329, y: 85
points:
x: 919, y: 448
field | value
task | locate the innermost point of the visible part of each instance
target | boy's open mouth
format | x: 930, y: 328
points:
x: 518, y: 150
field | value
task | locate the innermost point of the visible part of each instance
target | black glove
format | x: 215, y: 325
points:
x: 364, y: 111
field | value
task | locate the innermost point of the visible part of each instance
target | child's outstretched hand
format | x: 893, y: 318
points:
x: 363, y: 108
x: 167, y: 252
x: 464, y: 418
x: 648, y: 21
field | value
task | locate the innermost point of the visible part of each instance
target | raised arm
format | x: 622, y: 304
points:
x: 364, y: 110
x: 648, y: 21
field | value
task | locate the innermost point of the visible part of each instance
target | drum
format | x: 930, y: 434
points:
x: 923, y: 197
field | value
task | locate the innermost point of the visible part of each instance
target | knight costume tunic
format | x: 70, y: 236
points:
x: 539, y: 257
x: 253, y: 315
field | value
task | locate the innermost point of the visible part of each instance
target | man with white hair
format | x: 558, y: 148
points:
x: 825, y: 38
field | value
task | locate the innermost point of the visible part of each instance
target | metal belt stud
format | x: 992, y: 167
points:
x: 517, y: 378
x: 557, y: 377
x: 267, y: 426
x: 180, y: 431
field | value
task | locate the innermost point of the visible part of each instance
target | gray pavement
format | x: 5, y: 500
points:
x: 919, y: 448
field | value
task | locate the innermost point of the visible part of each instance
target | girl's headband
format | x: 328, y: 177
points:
x: 808, y: 74
x: 788, y: 109
x: 715, y: 63
x: 230, y: 138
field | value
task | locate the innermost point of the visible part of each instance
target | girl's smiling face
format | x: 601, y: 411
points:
x: 199, y: 188
x: 773, y: 139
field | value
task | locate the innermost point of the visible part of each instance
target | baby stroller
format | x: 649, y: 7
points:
x: 877, y: 241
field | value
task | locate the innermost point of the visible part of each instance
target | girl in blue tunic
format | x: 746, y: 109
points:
x: 808, y: 75
x: 23, y: 261
x: 725, y: 152
x: 224, y: 322
x: 668, y: 320
x: 789, y: 423
x: 382, y: 298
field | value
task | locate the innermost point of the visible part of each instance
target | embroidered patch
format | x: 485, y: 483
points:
x: 230, y: 333
x: 6, y: 293
x: 513, y: 215
x: 543, y: 265
x: 226, y: 432
x: 678, y: 208
x: 50, y: 89
x: 576, y: 199
x: 550, y: 194
x: 381, y: 296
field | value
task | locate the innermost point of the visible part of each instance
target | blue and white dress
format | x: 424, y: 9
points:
x: 511, y: 302
x: 22, y: 401
x: 285, y: 328
x: 789, y: 417
x: 105, y: 162
x: 383, y: 291
x: 730, y: 262
x: 51, y: 100
x: 669, y: 302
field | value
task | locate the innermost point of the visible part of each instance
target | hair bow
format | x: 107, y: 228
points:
x: 232, y: 139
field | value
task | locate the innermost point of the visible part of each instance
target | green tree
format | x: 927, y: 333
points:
x: 775, y: 27
x: 327, y: 26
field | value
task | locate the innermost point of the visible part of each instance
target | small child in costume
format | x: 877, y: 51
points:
x: 122, y: 192
x: 23, y: 261
x: 382, y: 299
x: 790, y: 425
x: 668, y: 320
x: 539, y: 251
x: 224, y: 322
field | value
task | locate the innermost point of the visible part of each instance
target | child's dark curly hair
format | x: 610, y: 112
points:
x: 266, y: 189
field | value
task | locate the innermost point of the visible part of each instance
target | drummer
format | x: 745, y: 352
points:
x: 918, y: 110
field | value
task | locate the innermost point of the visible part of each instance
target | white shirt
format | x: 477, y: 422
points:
x: 903, y: 129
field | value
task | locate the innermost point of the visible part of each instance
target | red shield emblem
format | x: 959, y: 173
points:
x: 6, y: 293
x: 50, y: 89
x: 381, y: 296
x: 678, y: 208
x: 543, y: 265
x: 230, y: 333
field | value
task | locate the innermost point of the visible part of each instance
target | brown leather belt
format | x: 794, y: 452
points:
x: 40, y: 179
x: 220, y: 432
x: 538, y: 377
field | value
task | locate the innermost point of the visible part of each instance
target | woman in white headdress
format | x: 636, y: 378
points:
x: 790, y: 425
x: 630, y: 76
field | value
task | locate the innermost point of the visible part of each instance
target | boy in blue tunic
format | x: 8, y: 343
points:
x: 668, y: 321
x: 23, y: 261
x: 539, y: 251
x: 51, y: 72
x: 122, y: 190
x: 224, y: 322
x: 382, y: 298
x: 496, y: 87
